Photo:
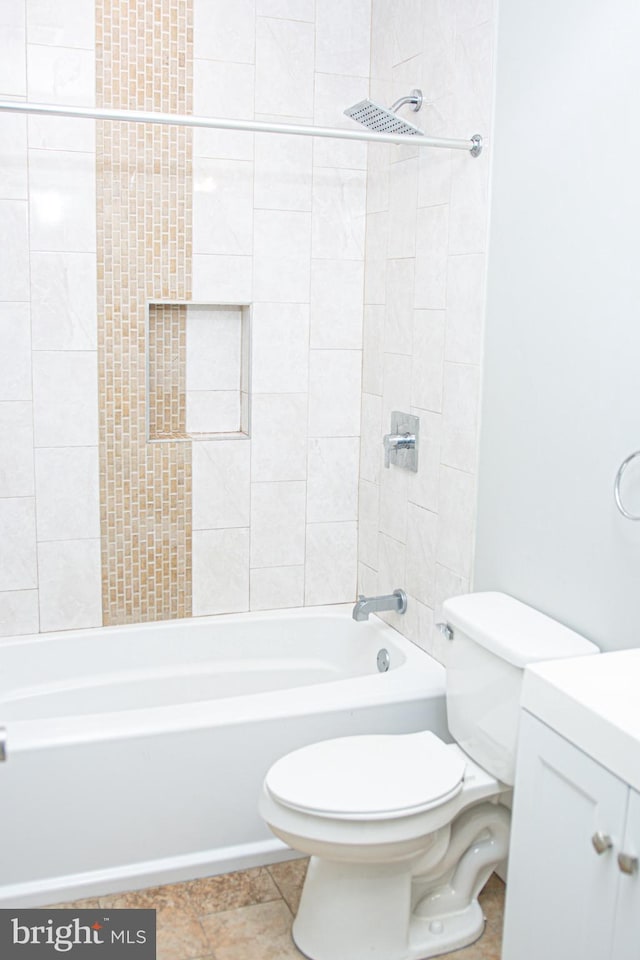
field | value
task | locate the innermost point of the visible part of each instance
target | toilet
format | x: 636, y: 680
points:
x: 404, y: 830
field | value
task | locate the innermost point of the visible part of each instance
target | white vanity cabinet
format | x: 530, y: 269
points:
x: 564, y: 898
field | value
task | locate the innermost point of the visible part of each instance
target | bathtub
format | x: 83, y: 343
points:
x: 135, y: 755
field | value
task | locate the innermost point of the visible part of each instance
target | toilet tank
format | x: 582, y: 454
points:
x: 494, y: 637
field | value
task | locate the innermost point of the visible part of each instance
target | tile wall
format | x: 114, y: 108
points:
x: 49, y: 500
x: 424, y: 288
x: 279, y: 222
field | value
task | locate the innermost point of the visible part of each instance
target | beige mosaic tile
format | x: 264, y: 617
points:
x: 171, y: 901
x: 144, y: 58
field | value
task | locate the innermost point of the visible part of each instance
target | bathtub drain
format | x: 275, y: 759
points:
x: 384, y: 660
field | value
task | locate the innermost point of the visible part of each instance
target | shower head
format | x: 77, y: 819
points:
x: 382, y: 120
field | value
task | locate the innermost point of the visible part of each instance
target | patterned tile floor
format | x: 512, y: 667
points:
x: 247, y: 915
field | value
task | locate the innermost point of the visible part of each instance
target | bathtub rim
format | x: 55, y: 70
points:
x: 419, y: 675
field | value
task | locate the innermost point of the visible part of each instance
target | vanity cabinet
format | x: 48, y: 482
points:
x: 573, y: 888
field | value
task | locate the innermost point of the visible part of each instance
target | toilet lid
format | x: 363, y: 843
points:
x: 367, y: 777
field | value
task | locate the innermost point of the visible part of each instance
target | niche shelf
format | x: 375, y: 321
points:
x: 197, y: 371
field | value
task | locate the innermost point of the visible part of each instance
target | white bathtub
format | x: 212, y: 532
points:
x: 135, y: 755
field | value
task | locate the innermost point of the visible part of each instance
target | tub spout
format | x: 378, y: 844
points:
x: 392, y: 601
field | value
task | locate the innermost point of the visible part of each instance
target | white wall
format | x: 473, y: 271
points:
x: 561, y: 405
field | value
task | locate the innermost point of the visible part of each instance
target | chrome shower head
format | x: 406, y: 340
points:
x: 381, y: 120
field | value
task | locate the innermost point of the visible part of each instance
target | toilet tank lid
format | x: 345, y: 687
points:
x: 512, y: 630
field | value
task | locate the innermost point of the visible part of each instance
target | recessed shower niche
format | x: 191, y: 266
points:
x: 198, y: 371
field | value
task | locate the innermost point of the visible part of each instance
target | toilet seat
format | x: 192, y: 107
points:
x: 368, y: 777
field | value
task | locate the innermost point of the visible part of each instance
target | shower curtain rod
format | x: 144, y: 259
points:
x: 473, y: 145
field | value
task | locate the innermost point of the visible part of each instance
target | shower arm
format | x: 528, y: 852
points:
x: 473, y: 145
x: 414, y: 98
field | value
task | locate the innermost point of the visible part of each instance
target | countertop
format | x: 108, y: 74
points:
x: 594, y: 702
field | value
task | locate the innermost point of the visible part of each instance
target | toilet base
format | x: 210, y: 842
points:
x: 361, y: 912
x: 431, y: 938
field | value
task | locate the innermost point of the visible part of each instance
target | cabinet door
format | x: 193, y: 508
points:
x: 627, y: 929
x: 561, y: 894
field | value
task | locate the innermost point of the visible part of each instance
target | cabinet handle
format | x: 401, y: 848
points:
x: 601, y: 842
x: 627, y: 863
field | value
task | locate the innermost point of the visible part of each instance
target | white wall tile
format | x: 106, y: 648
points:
x: 62, y: 205
x: 275, y: 588
x: 61, y: 23
x: 279, y: 437
x: 465, y: 308
x: 224, y: 31
x: 67, y: 493
x: 460, y: 415
x: 18, y: 613
x: 334, y: 393
x: 394, y: 483
x: 427, y: 362
x: 214, y: 345
x: 63, y: 301
x: 13, y: 61
x: 14, y: 250
x: 371, y: 438
x: 391, y: 564
x: 367, y: 581
x: 16, y: 449
x: 213, y: 411
x: 423, y: 486
x: 280, y: 348
x: 403, y: 202
x: 434, y: 172
x: 396, y: 391
x: 220, y: 279
x: 66, y: 76
x: 421, y: 554
x: 282, y: 268
x: 222, y: 89
x: 368, y: 524
x: 398, y: 323
x: 469, y: 205
x: 283, y: 169
x: 338, y: 228
x: 456, y: 517
x: 277, y: 524
x: 220, y: 571
x: 70, y: 582
x: 286, y: 9
x: 406, y: 29
x: 222, y: 206
x: 15, y: 355
x: 13, y: 157
x: 342, y: 37
x: 65, y: 392
x: 336, y: 304
x: 331, y: 560
x: 284, y: 67
x: 332, y: 483
x: 332, y: 95
x: 18, y: 562
x: 373, y: 349
x: 431, y: 257
x: 221, y: 490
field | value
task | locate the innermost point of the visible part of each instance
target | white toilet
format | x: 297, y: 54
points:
x: 404, y: 830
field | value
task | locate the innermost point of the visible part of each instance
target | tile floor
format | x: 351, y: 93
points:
x: 247, y: 915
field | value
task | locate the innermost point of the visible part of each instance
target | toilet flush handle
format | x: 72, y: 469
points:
x: 445, y: 630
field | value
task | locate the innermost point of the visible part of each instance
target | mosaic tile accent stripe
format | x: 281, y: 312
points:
x: 167, y: 345
x: 144, y: 52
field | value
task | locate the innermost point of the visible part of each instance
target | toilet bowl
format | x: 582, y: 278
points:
x: 404, y: 830
x: 386, y: 878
